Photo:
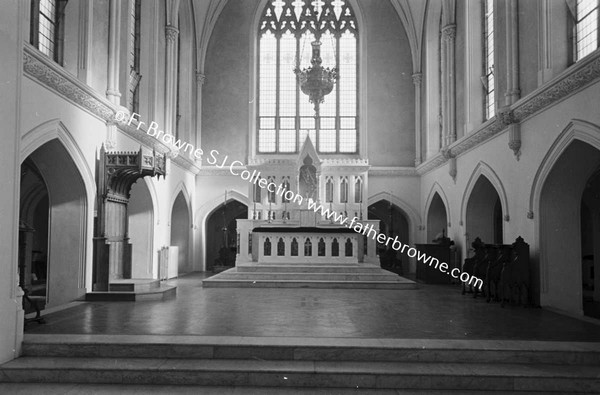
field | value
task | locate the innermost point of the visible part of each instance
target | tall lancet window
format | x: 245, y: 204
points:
x: 344, y: 190
x: 285, y: 116
x: 488, y: 59
x: 47, y: 27
x: 358, y: 190
x: 329, y: 190
x: 133, y: 56
x: 586, y: 27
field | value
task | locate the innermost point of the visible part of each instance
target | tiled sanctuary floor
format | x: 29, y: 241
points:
x: 430, y: 312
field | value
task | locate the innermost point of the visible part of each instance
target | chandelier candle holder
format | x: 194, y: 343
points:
x: 316, y: 81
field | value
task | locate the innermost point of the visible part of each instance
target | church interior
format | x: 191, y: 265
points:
x: 163, y: 161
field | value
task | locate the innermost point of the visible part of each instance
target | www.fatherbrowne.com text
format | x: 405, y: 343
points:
x: 255, y: 178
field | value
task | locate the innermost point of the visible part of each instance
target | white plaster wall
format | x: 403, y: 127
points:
x: 537, y: 135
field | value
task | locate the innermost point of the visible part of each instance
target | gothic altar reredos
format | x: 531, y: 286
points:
x: 281, y: 230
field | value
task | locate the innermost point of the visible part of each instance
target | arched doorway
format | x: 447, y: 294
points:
x: 484, y: 214
x: 393, y: 222
x: 570, y: 230
x: 53, y: 225
x: 141, y: 230
x: 225, y: 216
x: 590, y: 246
x: 180, y: 231
x: 437, y: 219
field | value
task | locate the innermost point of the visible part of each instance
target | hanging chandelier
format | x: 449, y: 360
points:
x: 316, y: 81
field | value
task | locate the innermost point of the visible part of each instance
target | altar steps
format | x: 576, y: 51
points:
x: 308, y: 276
x: 357, y: 365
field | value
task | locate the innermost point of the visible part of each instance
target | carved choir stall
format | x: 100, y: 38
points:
x: 505, y: 270
x: 116, y: 173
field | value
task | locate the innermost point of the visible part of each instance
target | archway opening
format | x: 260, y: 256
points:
x: 393, y: 222
x: 141, y: 231
x: 52, y: 226
x: 484, y: 214
x: 33, y: 233
x: 180, y: 232
x: 590, y: 246
x: 221, y: 233
x: 570, y: 230
x: 437, y: 219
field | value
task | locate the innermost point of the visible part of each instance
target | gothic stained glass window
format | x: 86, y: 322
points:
x: 280, y: 247
x: 294, y: 249
x: 285, y: 116
x: 267, y: 247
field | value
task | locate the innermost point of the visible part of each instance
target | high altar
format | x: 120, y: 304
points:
x: 288, y: 231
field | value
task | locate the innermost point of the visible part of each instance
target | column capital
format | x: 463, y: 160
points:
x: 417, y: 78
x: 449, y: 32
x: 200, y: 78
x: 171, y: 32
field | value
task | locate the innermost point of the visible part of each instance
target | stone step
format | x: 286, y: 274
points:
x: 163, y: 292
x: 261, y: 268
x: 312, y: 349
x: 230, y: 283
x: 133, y: 285
x: 289, y: 373
x: 310, y: 276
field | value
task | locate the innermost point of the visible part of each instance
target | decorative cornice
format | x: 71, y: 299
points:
x: 397, y: 171
x: 562, y: 86
x: 210, y: 171
x: 51, y: 75
x: 38, y: 66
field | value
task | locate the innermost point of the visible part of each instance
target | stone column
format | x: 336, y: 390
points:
x: 417, y: 79
x: 172, y: 35
x: 449, y: 81
x: 512, y: 53
x: 114, y: 38
x: 545, y: 71
x: 200, y: 79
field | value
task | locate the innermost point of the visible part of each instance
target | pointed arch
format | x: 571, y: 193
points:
x: 181, y: 188
x: 54, y: 129
x: 436, y: 188
x: 576, y: 130
x: 483, y: 169
x: 413, y: 216
x: 402, y: 7
x: 208, y: 208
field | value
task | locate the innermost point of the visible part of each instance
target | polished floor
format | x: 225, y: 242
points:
x: 430, y: 312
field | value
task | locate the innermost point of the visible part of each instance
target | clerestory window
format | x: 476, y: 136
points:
x: 586, y: 27
x: 488, y: 59
x: 285, y: 115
